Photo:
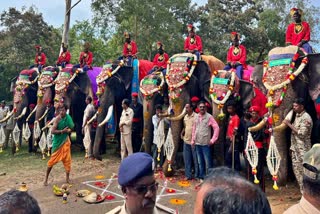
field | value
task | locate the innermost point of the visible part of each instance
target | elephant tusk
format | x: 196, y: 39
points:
x: 179, y: 117
x: 47, y: 126
x: 109, y: 114
x: 280, y: 128
x: 24, y: 111
x: 258, y: 127
x: 44, y: 114
x: 34, y: 110
x: 7, y: 117
x: 92, y: 119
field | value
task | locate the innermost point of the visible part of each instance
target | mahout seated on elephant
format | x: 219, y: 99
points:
x: 193, y: 43
x: 64, y: 57
x: 40, y: 59
x: 160, y: 60
x: 85, y: 58
x: 130, y: 50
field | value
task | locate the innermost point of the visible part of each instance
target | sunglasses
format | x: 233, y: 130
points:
x: 201, y: 106
x: 143, y: 189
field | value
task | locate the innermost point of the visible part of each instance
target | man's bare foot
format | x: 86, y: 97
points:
x: 45, y: 183
x: 68, y: 181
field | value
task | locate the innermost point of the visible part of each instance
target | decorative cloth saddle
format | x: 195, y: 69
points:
x: 179, y: 70
x: 279, y: 71
x: 223, y: 84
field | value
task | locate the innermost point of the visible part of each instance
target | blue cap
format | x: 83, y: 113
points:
x: 135, y: 166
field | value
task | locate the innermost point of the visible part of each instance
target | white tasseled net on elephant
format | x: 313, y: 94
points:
x: 43, y: 142
x: 26, y: 133
x: 37, y: 130
x: 86, y: 139
x: 2, y: 136
x: 273, y: 161
x: 252, y: 156
x: 16, y: 134
x: 159, y: 138
x: 169, y: 147
x: 49, y: 139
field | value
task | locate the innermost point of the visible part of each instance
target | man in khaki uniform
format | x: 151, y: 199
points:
x: 310, y: 200
x: 300, y: 137
x: 139, y: 187
x: 126, y: 129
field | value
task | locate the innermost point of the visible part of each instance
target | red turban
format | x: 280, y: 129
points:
x: 134, y: 94
x: 195, y: 99
x: 32, y: 105
x: 295, y: 10
x: 255, y: 109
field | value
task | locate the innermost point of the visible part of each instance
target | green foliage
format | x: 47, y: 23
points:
x: 21, y: 31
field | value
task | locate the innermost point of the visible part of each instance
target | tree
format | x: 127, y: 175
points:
x: 21, y: 31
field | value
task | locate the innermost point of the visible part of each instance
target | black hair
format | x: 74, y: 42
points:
x: 159, y: 107
x: 89, y: 98
x: 247, y: 115
x: 202, y: 102
x: 299, y: 101
x: 231, y: 103
x: 126, y: 102
x: 311, y: 186
x: 10, y: 107
x: 231, y: 193
x: 15, y: 201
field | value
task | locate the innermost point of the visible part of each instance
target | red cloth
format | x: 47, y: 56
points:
x: 85, y: 58
x: 127, y: 50
x: 161, y: 61
x: 40, y: 60
x: 197, y: 45
x: 260, y: 100
x: 144, y: 67
x: 240, y: 57
x: 64, y: 57
x: 234, y: 123
x: 259, y: 144
x: 296, y: 37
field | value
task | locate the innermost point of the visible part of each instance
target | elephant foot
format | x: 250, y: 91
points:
x: 168, y: 172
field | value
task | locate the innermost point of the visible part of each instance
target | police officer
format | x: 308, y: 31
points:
x: 138, y: 185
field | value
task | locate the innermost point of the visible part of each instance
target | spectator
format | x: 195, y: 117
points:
x: 138, y: 184
x: 232, y: 160
x: 137, y: 123
x: 202, y: 140
x: 224, y: 191
x: 310, y: 200
x: 126, y: 129
x: 189, y: 153
x: 3, y: 112
x: 17, y: 202
x: 86, y: 128
x: 8, y: 131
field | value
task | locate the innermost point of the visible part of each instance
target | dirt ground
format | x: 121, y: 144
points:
x: 29, y: 168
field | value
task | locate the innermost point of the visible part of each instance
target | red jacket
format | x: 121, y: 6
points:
x: 234, y: 123
x: 85, y: 58
x: 161, y: 60
x: 259, y: 100
x: 130, y: 49
x: 295, y: 37
x: 240, y: 56
x: 196, y: 45
x: 40, y: 60
x: 64, y: 57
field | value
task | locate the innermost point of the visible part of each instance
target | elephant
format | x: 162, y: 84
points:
x: 115, y: 83
x: 153, y: 89
x: 72, y: 86
x: 302, y: 82
x: 25, y: 93
x: 225, y: 86
x: 186, y: 77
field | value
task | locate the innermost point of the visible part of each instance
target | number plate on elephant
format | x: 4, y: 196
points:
x: 220, y: 81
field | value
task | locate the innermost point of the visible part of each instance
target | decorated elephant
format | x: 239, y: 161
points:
x: 25, y: 93
x: 153, y: 89
x: 224, y: 87
x: 72, y: 86
x: 288, y: 74
x: 186, y: 77
x: 115, y: 83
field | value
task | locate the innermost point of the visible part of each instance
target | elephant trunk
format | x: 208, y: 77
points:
x: 23, y: 112
x: 7, y: 117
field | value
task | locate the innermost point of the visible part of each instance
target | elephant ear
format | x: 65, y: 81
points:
x: 246, y: 93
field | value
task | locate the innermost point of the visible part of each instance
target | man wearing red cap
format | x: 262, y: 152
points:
x: 194, y: 103
x: 193, y: 43
x: 258, y: 137
x: 160, y: 60
x: 40, y: 58
x: 137, y: 122
x: 237, y: 55
x: 130, y: 49
x: 64, y: 57
x: 298, y: 32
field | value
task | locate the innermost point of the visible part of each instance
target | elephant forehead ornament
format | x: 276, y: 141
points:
x: 46, y: 80
x: 23, y: 82
x: 179, y: 71
x: 149, y: 85
x: 62, y: 82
